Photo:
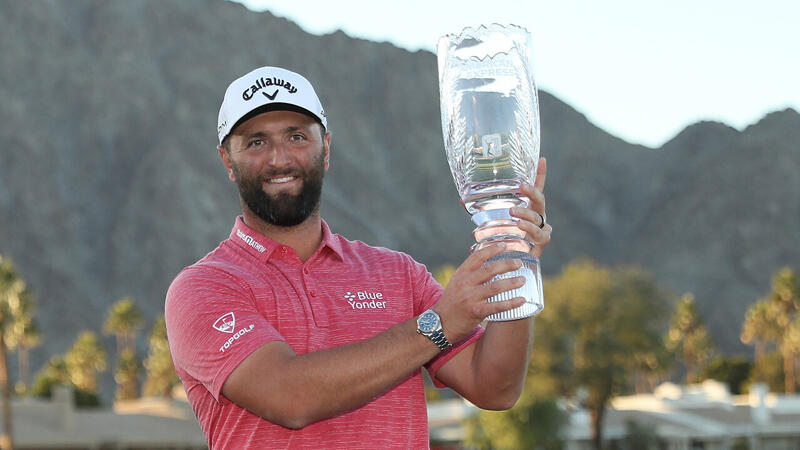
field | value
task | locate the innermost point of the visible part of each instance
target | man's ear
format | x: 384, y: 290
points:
x: 326, y: 143
x: 225, y: 156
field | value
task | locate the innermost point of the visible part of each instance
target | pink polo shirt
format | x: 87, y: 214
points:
x: 251, y: 290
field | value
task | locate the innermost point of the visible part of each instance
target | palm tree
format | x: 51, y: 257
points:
x: 689, y: 336
x: 792, y: 340
x: 785, y: 298
x: 760, y: 327
x: 84, y: 360
x: 127, y: 376
x: 22, y: 334
x: 11, y: 288
x: 29, y: 338
x: 161, y: 376
x: 124, y: 321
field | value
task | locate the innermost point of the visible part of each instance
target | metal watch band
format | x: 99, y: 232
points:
x: 440, y: 340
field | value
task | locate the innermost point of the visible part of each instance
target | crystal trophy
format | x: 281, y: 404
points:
x: 490, y: 123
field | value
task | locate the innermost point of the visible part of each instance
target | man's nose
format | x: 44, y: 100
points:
x: 280, y: 155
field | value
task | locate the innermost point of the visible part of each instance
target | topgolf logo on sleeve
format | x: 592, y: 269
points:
x: 226, y: 323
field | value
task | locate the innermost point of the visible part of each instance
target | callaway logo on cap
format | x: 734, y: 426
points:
x: 265, y: 89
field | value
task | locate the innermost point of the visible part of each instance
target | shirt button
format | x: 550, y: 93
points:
x: 313, y: 293
x: 305, y: 270
x: 283, y: 249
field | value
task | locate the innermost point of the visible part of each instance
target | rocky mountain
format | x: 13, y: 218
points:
x: 110, y: 182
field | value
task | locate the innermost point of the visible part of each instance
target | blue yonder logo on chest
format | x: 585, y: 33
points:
x: 264, y: 83
x: 365, y: 300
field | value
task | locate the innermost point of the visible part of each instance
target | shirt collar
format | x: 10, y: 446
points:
x: 263, y: 247
x: 252, y: 241
x: 332, y: 241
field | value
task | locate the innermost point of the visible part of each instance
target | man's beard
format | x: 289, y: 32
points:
x: 283, y: 209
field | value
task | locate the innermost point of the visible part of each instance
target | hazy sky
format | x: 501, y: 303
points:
x: 641, y: 70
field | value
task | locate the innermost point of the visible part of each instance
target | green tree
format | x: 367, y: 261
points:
x: 124, y: 321
x: 161, y: 376
x: 733, y: 370
x: 760, y: 327
x: 642, y: 301
x: 599, y: 326
x: 54, y: 372
x: 127, y: 376
x: 84, y: 360
x: 651, y: 369
x: 689, y: 338
x: 533, y: 423
x: 12, y: 287
x: 770, y: 372
x: 618, y: 328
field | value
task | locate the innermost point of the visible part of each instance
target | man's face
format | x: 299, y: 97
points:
x: 278, y: 160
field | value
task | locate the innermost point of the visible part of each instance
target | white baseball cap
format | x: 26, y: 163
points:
x: 267, y: 89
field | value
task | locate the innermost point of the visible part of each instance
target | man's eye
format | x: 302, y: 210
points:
x: 256, y: 143
x: 297, y: 137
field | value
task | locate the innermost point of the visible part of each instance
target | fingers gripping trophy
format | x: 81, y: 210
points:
x: 490, y: 123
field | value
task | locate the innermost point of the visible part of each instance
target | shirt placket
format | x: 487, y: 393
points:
x: 304, y: 287
x: 314, y: 293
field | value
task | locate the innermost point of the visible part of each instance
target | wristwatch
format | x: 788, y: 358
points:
x: 430, y: 325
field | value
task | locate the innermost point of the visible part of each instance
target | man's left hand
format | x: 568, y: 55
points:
x: 533, y: 219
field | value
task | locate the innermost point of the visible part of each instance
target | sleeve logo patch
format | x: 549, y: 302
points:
x: 226, y: 323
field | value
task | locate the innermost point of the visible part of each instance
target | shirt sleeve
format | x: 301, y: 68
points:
x: 427, y: 292
x: 213, y: 324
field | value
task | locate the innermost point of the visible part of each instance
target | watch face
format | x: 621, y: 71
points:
x: 427, y: 322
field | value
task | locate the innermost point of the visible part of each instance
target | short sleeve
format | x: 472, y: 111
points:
x: 427, y: 292
x: 213, y: 324
x: 426, y: 289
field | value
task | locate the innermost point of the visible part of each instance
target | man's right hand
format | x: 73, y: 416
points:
x: 463, y: 304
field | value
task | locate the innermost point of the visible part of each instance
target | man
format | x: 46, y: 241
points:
x: 288, y: 335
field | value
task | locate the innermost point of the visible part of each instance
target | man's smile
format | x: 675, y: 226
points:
x: 281, y: 180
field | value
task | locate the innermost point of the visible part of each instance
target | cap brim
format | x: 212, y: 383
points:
x: 277, y: 106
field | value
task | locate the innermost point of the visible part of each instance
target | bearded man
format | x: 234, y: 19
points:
x: 288, y: 335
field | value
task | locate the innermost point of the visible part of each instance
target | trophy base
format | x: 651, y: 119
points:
x: 531, y: 290
x: 497, y: 225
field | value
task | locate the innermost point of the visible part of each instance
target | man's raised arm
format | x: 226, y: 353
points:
x: 490, y: 373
